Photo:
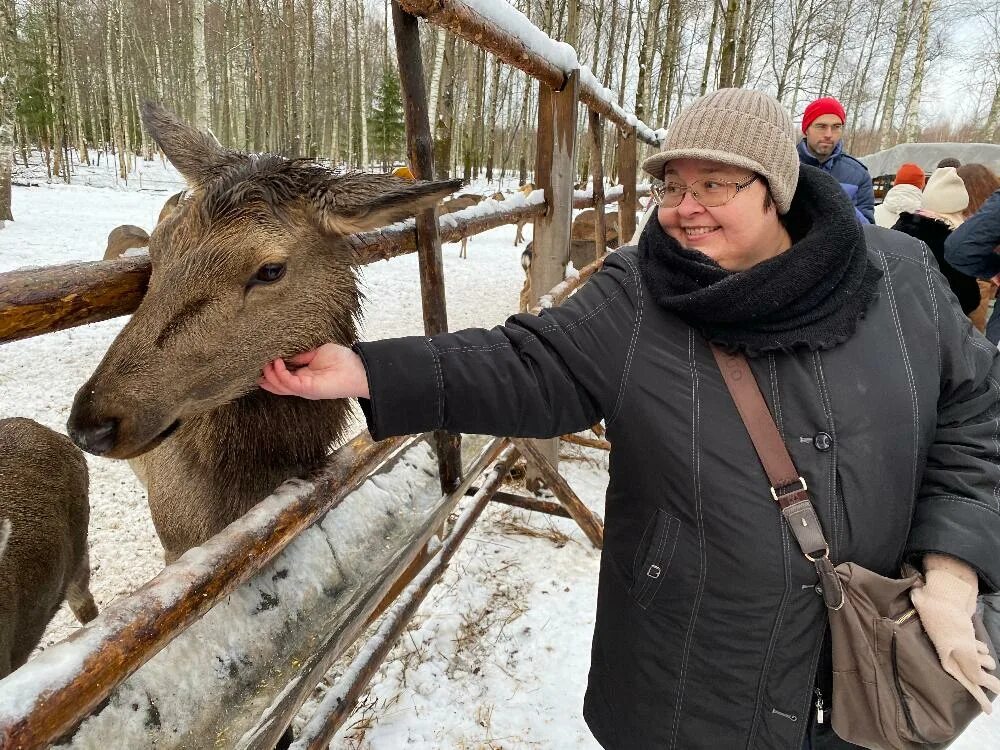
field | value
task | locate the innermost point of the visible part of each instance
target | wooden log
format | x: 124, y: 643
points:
x: 597, y: 170
x: 131, y: 631
x: 43, y: 300
x: 589, y: 521
x: 603, y: 445
x: 563, y: 289
x: 467, y: 23
x: 38, y: 300
x: 626, y: 176
x: 477, y: 467
x: 341, y: 699
x: 531, y: 503
x: 419, y: 149
x: 349, y: 627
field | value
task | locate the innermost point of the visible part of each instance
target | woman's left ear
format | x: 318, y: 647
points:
x: 361, y: 202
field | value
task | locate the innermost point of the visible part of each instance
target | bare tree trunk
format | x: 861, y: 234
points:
x: 202, y: 117
x: 911, y: 117
x: 434, y: 93
x: 443, y: 132
x: 892, y: 77
x: 491, y: 146
x: 625, y: 53
x: 711, y: 43
x: 309, y: 146
x: 646, y: 58
x: 727, y: 50
x: 359, y: 59
x: 993, y: 119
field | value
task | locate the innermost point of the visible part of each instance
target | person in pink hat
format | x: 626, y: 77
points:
x: 821, y: 146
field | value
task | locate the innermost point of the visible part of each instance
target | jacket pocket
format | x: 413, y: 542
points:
x: 653, y: 556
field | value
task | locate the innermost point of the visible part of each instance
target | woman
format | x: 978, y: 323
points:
x: 942, y: 202
x: 710, y: 632
x: 980, y: 182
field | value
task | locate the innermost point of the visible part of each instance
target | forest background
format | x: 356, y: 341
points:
x: 318, y: 78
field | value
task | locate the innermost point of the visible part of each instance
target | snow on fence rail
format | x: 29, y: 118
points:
x: 502, y: 29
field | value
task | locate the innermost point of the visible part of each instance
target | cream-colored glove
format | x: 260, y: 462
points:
x: 945, y: 604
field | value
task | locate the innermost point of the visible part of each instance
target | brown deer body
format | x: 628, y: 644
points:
x: 125, y: 237
x: 459, y: 202
x: 255, y: 264
x: 43, y: 499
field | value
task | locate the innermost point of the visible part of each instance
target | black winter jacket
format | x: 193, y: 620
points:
x: 934, y: 232
x: 708, y: 627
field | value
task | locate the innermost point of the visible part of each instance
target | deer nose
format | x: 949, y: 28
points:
x: 98, y: 438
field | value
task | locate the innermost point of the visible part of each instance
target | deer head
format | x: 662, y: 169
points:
x: 254, y: 264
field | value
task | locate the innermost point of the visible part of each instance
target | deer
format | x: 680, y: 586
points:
x: 127, y: 237
x: 254, y: 264
x: 43, y: 554
x: 123, y: 238
x: 459, y: 202
x: 581, y: 248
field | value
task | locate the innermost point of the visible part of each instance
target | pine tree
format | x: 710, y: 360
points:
x: 385, y: 123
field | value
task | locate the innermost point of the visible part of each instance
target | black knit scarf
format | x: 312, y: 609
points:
x: 810, y: 296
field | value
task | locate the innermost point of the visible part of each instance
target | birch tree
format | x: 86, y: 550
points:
x: 892, y: 76
x: 199, y: 66
x: 911, y: 116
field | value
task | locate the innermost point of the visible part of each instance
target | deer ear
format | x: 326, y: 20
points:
x: 360, y: 202
x: 197, y: 156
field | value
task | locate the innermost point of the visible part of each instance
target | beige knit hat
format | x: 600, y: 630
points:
x: 945, y: 192
x: 741, y: 127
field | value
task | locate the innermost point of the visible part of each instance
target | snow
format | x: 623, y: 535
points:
x: 498, y: 653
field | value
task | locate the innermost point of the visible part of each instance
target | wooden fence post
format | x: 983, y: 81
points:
x: 626, y: 178
x: 597, y: 159
x: 420, y: 152
x: 555, y: 170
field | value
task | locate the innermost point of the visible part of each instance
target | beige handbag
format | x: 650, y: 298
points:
x: 890, y: 691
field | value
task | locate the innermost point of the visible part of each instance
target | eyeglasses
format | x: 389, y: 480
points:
x: 709, y: 193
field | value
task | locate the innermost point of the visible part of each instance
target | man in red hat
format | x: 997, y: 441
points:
x: 822, y: 128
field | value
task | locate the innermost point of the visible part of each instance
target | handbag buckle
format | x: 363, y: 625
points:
x: 776, y: 496
x: 826, y: 554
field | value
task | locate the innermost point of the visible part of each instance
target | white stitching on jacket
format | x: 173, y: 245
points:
x: 634, y: 273
x: 894, y: 311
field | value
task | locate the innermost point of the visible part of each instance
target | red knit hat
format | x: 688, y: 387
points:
x: 825, y: 106
x: 910, y: 174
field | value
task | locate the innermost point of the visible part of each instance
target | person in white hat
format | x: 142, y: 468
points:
x: 710, y: 631
x: 942, y: 202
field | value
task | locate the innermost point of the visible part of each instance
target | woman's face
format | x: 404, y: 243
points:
x: 737, y: 235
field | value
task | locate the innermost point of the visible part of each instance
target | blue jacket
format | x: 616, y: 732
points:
x: 850, y: 173
x: 969, y: 249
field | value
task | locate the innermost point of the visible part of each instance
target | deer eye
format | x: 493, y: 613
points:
x: 268, y: 274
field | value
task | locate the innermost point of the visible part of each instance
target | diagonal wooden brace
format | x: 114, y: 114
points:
x: 590, y: 522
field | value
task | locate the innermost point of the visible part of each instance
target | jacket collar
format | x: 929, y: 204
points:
x: 808, y: 157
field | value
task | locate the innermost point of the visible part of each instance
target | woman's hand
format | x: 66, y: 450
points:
x: 945, y: 604
x: 329, y: 371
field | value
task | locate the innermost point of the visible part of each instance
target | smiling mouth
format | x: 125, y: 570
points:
x: 694, y: 232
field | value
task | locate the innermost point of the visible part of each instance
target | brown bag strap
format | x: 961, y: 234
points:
x: 788, y: 488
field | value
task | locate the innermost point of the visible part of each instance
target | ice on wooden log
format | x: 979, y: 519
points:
x: 210, y: 684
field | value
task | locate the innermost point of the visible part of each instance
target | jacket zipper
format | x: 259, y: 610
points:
x: 819, y: 705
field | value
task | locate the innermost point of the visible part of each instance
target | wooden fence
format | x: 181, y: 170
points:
x: 38, y: 707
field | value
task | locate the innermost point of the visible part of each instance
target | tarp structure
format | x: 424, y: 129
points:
x: 927, y: 156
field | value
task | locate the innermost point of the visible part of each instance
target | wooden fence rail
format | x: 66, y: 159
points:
x: 42, y: 300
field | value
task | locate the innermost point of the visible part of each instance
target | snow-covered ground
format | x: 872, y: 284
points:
x: 498, y: 655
